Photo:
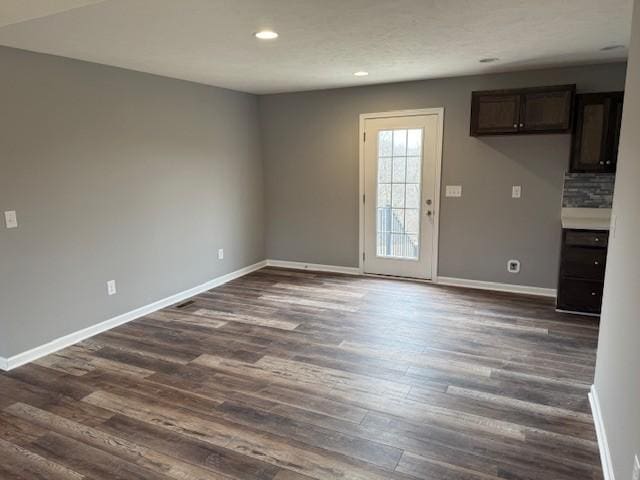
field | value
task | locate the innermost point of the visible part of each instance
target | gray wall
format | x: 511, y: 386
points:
x: 310, y: 149
x: 617, y: 378
x: 117, y: 175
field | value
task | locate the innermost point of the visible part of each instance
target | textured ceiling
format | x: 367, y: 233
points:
x: 14, y: 11
x: 322, y: 42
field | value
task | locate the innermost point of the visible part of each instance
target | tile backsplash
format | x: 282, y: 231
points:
x: 588, y: 190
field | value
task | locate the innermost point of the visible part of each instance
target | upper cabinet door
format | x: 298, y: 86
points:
x: 597, y: 132
x: 494, y: 114
x: 614, y: 132
x: 524, y: 110
x: 547, y: 111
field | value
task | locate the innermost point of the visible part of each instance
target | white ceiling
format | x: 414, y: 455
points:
x: 322, y: 42
x: 14, y: 11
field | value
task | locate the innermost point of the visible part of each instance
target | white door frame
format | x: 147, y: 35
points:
x: 436, y: 201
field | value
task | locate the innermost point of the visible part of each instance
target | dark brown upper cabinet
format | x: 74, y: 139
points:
x: 596, y: 132
x: 522, y: 111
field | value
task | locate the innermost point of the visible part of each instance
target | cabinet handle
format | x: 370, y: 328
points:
x: 521, y: 125
x: 593, y: 294
x: 515, y: 125
x: 609, y: 162
x: 601, y: 163
x: 596, y: 239
x: 596, y: 262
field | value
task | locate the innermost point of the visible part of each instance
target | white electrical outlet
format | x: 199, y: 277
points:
x: 220, y: 253
x: 453, y: 191
x: 513, y: 266
x: 111, y: 287
x: 636, y: 469
x: 11, y: 219
x: 516, y: 191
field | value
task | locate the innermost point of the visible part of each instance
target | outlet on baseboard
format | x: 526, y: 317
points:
x: 111, y: 287
x: 636, y: 469
x: 513, y: 266
x: 220, y: 253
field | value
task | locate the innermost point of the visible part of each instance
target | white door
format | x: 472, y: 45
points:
x: 401, y: 157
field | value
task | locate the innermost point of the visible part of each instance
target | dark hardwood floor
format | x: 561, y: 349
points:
x: 296, y: 375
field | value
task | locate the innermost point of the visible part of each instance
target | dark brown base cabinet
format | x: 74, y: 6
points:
x: 582, y: 264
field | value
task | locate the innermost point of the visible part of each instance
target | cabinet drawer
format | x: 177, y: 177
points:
x: 586, y: 238
x: 581, y: 262
x: 580, y: 295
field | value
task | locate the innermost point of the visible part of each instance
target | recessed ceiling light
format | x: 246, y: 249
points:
x: 488, y: 60
x: 266, y: 35
x: 361, y: 74
x: 611, y: 47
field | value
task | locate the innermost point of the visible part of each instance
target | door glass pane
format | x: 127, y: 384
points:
x: 413, y: 169
x: 399, y: 169
x: 384, y: 195
x: 414, y: 142
x: 397, y: 195
x: 384, y: 169
x: 399, y: 184
x: 412, y: 199
x: 385, y: 143
x: 399, y: 142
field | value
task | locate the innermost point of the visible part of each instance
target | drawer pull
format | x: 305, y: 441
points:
x: 596, y: 262
x: 593, y: 294
x: 597, y: 239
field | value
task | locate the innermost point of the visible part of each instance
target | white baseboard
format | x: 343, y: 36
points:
x: 316, y: 267
x: 603, y: 445
x: 496, y: 286
x: 448, y: 281
x: 75, y: 337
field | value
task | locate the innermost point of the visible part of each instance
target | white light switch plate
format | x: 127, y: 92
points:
x: 454, y: 191
x: 220, y: 254
x: 11, y: 219
x: 111, y: 287
x: 516, y: 191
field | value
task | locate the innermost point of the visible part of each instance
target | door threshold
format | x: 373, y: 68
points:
x: 397, y: 277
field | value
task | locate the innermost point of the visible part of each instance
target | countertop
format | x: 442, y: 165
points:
x: 586, y: 218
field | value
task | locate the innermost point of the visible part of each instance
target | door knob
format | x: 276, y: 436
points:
x: 429, y: 213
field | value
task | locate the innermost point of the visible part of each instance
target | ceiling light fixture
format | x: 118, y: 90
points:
x: 488, y: 60
x: 361, y: 74
x: 266, y: 35
x: 611, y: 47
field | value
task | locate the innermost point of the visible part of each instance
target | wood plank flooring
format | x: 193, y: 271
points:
x: 290, y: 375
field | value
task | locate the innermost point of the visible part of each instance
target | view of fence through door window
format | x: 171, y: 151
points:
x: 398, y: 202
